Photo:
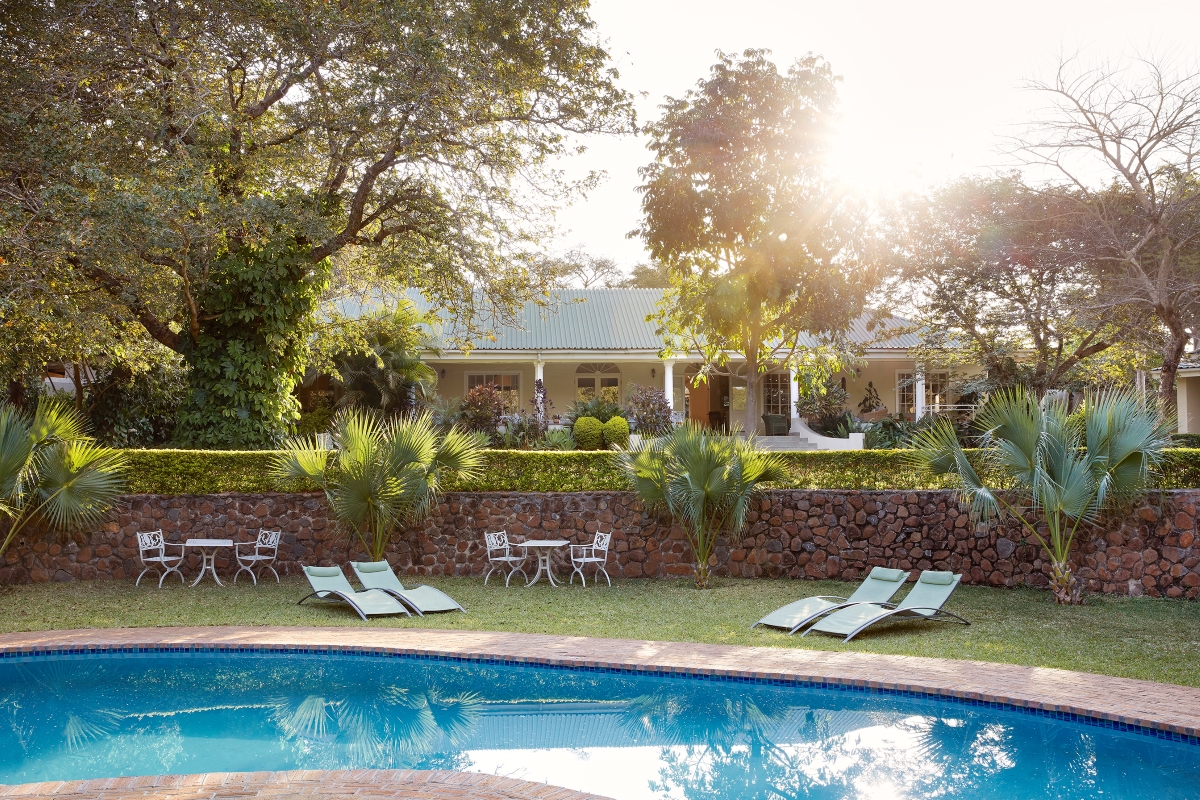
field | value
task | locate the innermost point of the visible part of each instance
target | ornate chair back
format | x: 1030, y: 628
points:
x: 150, y: 544
x: 267, y: 543
x: 497, y: 545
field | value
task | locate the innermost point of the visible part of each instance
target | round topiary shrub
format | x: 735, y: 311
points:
x: 588, y: 433
x: 616, y: 432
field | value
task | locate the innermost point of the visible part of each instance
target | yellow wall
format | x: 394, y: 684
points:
x: 1187, y: 393
x: 558, y: 377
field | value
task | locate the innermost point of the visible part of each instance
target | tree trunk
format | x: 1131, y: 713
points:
x: 16, y: 394
x: 752, y: 380
x: 1067, y: 591
x: 77, y: 380
x: 1172, y: 354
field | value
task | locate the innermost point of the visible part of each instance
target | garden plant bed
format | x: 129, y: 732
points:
x: 1146, y: 638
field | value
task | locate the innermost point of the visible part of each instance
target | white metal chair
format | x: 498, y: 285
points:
x: 594, y: 553
x: 501, y: 556
x: 152, y: 550
x: 265, y: 548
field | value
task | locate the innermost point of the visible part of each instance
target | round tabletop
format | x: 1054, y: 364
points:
x: 544, y: 543
x: 209, y: 543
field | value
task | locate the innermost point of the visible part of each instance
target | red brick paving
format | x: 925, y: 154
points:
x: 314, y: 784
x: 1144, y: 703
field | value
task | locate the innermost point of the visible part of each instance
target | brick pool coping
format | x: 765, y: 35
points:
x: 1162, y: 709
x: 381, y: 784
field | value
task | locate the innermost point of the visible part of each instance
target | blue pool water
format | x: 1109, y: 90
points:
x: 616, y: 734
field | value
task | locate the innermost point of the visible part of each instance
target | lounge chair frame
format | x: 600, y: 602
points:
x: 401, y: 594
x: 938, y: 615
x: 347, y: 598
x: 838, y: 602
x: 900, y: 611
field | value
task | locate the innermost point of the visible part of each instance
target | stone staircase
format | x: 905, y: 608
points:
x: 788, y: 443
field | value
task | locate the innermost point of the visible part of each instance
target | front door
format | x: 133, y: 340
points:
x: 699, y: 400
x: 718, y: 398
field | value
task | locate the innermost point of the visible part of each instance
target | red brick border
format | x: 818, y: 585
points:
x: 317, y: 784
x: 1159, y: 706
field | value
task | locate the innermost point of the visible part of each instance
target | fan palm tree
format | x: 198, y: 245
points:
x: 383, y: 472
x: 704, y: 480
x: 51, y: 470
x: 1058, y: 470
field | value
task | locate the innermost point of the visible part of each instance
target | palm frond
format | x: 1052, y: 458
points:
x: 55, y: 421
x: 1126, y: 443
x: 301, y: 458
x: 358, y: 436
x: 410, y: 440
x: 78, y: 482
x: 459, y: 455
x: 16, y: 455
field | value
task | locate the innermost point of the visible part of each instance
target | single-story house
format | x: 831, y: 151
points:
x: 597, y: 341
x: 1187, y: 397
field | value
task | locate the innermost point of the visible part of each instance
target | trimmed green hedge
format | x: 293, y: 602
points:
x: 1182, y: 470
x: 547, y: 471
x: 199, y: 471
x: 213, y: 471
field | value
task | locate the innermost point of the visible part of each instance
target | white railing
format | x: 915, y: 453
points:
x: 952, y: 408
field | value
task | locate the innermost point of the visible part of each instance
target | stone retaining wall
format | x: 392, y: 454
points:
x: 1151, y: 549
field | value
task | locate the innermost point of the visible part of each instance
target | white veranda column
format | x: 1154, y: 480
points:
x: 669, y: 382
x: 793, y: 398
x: 538, y: 375
x: 919, y: 394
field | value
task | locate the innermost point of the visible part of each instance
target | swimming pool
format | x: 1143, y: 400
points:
x: 623, y: 735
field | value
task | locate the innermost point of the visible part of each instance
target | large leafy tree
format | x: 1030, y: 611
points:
x: 1124, y: 142
x: 199, y: 164
x: 737, y: 204
x: 999, y: 277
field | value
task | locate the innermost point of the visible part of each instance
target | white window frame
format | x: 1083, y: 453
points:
x: 494, y: 378
x: 784, y: 393
x: 942, y: 376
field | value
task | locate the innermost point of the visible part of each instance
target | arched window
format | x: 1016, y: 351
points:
x: 603, y: 379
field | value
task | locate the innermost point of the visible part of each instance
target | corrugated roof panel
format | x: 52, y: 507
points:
x: 615, y: 319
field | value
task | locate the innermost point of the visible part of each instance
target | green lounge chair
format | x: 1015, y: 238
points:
x: 329, y: 582
x: 422, y: 599
x: 925, y: 601
x: 879, y: 587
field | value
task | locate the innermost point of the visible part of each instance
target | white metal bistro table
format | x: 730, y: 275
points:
x: 209, y: 548
x: 542, y: 549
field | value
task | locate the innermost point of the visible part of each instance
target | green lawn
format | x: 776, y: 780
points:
x: 1139, y: 637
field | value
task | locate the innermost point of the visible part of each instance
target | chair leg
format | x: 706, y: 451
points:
x: 491, y: 569
x: 243, y: 568
x: 602, y: 569
x: 273, y: 572
x: 139, y: 579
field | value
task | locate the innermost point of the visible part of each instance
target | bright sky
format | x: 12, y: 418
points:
x: 929, y: 88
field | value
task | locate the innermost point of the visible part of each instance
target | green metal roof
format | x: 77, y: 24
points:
x: 615, y: 319
x: 579, y: 319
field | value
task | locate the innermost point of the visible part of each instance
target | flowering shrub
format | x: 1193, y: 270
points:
x: 483, y: 409
x: 647, y: 410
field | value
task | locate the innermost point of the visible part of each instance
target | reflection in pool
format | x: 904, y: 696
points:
x: 615, y: 734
